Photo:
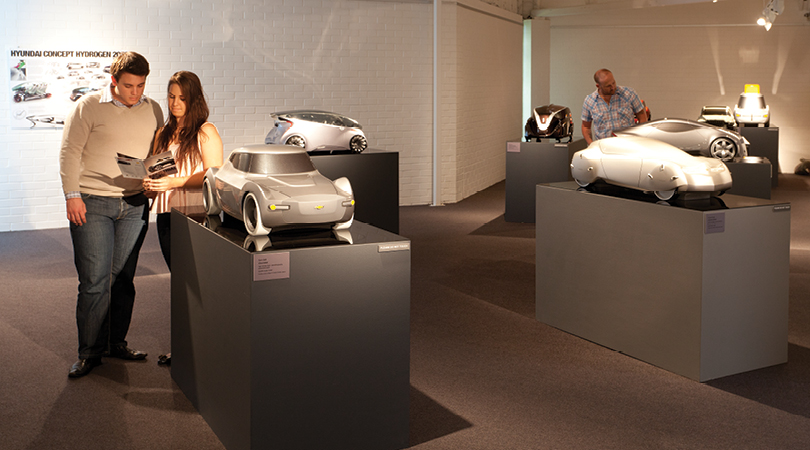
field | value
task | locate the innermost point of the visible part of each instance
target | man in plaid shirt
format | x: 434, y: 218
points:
x: 609, y: 108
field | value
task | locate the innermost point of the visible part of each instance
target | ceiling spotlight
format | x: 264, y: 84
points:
x: 773, y: 9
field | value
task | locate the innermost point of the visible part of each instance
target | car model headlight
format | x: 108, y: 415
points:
x: 274, y: 207
x: 348, y: 203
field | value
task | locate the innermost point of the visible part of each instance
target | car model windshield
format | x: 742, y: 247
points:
x: 715, y: 111
x: 272, y: 164
x: 750, y: 102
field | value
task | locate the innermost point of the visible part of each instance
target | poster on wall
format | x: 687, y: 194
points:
x: 45, y: 84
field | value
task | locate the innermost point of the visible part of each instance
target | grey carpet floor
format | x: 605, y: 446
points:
x: 484, y: 373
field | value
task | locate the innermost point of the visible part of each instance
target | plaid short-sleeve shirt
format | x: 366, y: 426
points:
x: 620, y: 113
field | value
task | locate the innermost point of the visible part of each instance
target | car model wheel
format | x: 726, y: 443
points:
x: 252, y: 216
x: 210, y: 203
x: 297, y: 141
x: 582, y: 183
x: 723, y: 149
x: 767, y: 124
x: 358, y: 143
x: 344, y: 225
x: 665, y: 195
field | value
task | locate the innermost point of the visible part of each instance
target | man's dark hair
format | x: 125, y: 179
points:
x: 129, y: 62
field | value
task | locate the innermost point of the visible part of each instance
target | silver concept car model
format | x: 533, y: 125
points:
x: 692, y: 137
x: 273, y: 187
x: 317, y: 131
x: 649, y: 165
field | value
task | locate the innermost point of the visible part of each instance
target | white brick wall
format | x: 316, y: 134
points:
x: 369, y: 60
x: 680, y: 58
x: 490, y: 91
x: 481, y: 95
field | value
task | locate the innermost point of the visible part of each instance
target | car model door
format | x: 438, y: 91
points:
x: 230, y: 180
x: 621, y: 164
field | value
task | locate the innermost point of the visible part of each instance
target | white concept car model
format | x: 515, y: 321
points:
x: 751, y: 109
x: 649, y: 165
x: 276, y: 187
x: 317, y: 131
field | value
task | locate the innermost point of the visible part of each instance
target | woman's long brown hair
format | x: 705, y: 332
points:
x: 196, y: 115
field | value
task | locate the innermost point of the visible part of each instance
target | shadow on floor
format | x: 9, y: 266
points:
x: 430, y: 420
x: 785, y: 386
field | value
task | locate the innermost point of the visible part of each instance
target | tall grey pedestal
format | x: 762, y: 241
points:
x: 374, y: 175
x: 751, y: 179
x: 764, y: 141
x: 698, y: 291
x: 318, y: 357
x: 527, y: 165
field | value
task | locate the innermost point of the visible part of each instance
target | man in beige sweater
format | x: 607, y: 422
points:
x: 108, y: 213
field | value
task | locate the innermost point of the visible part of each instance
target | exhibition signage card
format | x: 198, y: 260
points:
x: 271, y: 266
x: 393, y: 247
x: 513, y: 147
x: 715, y: 223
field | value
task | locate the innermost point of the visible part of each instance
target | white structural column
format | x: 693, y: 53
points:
x: 437, y: 114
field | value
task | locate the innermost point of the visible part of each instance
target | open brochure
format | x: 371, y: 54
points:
x: 155, y: 166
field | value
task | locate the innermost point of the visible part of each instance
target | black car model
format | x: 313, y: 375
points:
x: 550, y: 122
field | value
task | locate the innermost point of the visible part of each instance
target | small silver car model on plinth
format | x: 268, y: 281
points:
x: 276, y: 187
x: 692, y: 137
x: 649, y: 165
x: 719, y: 116
x: 317, y: 131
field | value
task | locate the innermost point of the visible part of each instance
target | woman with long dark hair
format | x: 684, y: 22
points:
x: 195, y: 144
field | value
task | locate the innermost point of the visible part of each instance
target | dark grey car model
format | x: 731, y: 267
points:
x: 549, y: 122
x: 692, y: 137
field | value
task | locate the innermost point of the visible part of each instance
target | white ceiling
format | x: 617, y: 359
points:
x: 556, y: 8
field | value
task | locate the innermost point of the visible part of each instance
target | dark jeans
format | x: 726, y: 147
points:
x: 164, y: 231
x: 105, y: 251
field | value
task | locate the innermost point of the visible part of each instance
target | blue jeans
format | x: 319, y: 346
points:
x: 105, y: 251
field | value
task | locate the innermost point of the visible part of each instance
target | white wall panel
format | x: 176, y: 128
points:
x: 680, y: 58
x: 481, y: 95
x: 367, y: 59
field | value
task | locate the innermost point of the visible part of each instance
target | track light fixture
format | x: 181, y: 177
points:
x: 772, y: 9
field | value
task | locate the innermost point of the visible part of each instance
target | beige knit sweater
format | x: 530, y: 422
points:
x: 94, y: 133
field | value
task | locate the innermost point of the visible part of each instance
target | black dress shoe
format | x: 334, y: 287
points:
x: 165, y: 360
x: 83, y: 366
x: 124, y: 352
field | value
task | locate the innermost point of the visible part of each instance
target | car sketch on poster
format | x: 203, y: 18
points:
x: 45, y: 84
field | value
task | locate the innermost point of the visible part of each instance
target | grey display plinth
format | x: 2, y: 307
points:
x: 527, y: 165
x: 764, y: 141
x: 374, y: 175
x: 751, y: 179
x: 701, y: 293
x: 317, y: 359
